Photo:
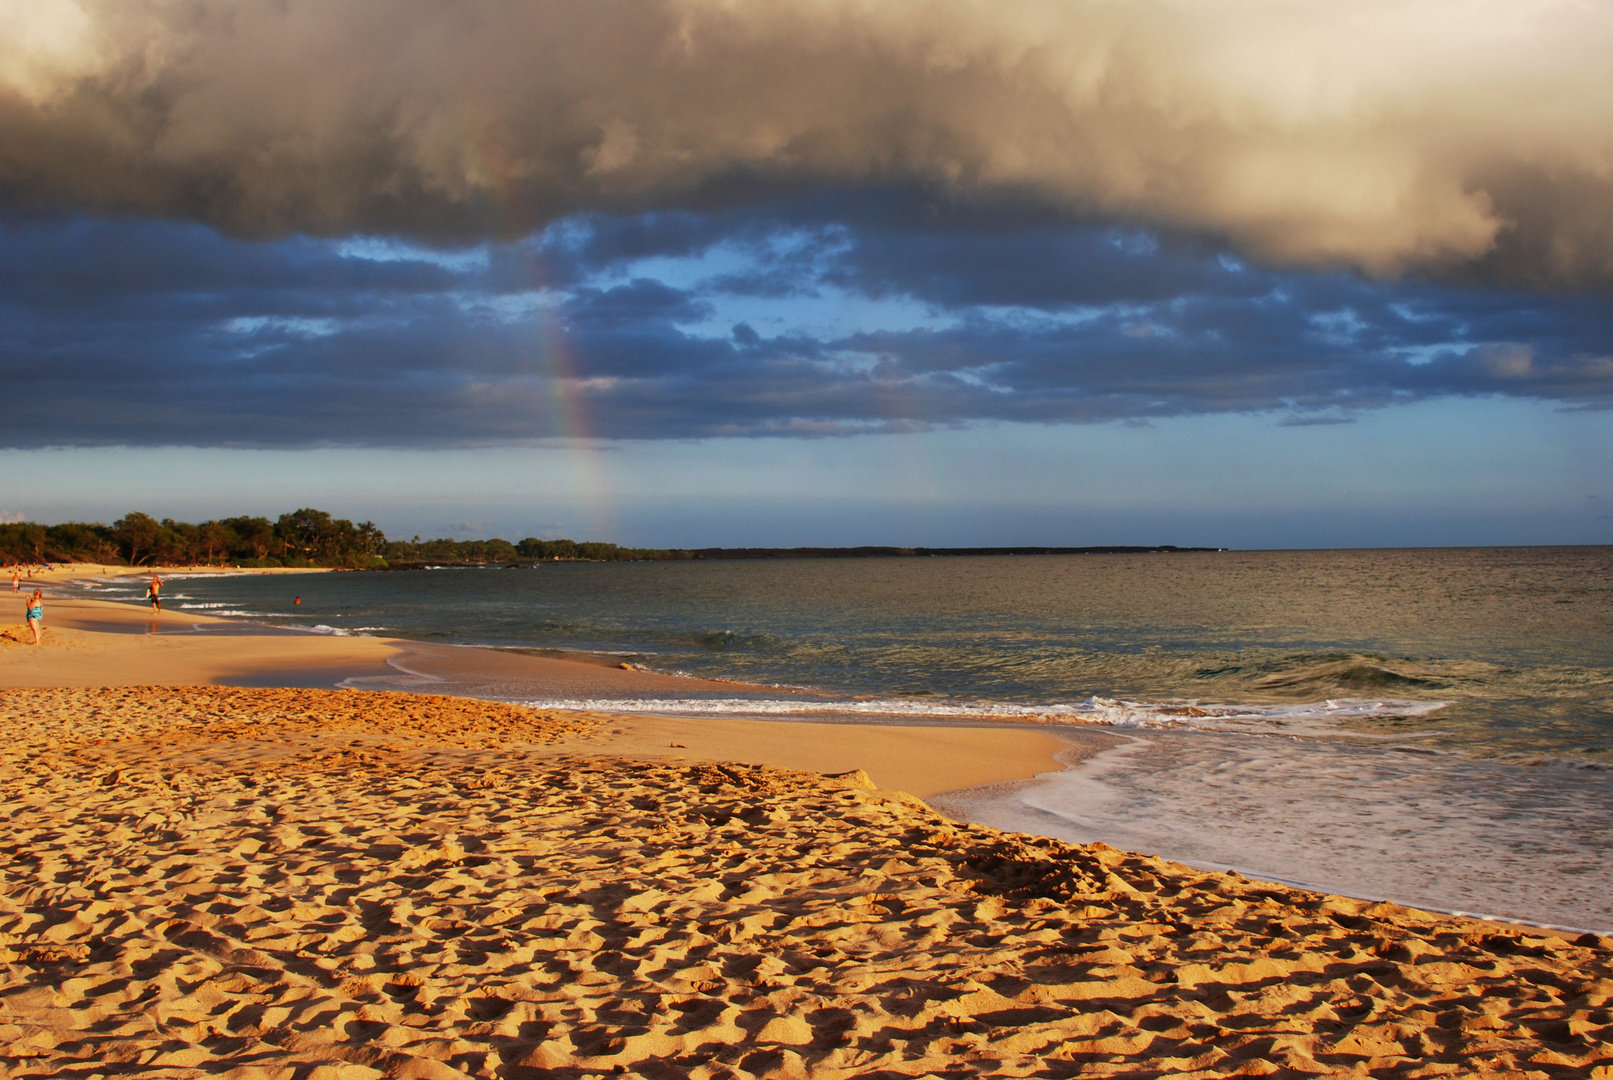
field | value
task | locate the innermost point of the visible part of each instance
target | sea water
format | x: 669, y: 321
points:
x: 1428, y: 726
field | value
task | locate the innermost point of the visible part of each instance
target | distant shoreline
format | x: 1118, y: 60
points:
x: 862, y: 552
x: 888, y: 552
x: 66, y: 569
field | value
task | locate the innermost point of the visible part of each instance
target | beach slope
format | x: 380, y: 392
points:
x: 315, y: 884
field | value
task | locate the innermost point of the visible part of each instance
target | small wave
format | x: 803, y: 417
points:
x: 544, y: 650
x: 201, y: 575
x: 726, y: 640
x: 1101, y: 711
x: 1119, y: 713
x: 236, y: 613
x: 777, y: 707
x: 1319, y: 675
x: 716, y: 641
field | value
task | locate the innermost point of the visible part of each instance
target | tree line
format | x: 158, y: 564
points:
x: 313, y: 538
x: 302, y: 538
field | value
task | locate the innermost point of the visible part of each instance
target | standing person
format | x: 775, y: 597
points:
x: 154, y: 594
x: 16, y: 580
x: 36, y: 613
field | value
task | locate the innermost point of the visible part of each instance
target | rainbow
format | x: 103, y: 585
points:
x: 568, y: 422
x: 569, y: 419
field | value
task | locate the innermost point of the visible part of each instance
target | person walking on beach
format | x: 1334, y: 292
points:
x: 153, y: 593
x: 16, y: 581
x: 36, y: 613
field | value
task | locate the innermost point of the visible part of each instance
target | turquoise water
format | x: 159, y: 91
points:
x: 1454, y: 707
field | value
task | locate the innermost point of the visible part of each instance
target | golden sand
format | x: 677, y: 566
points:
x: 312, y: 885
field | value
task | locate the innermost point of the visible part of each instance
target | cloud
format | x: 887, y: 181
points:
x: 145, y: 333
x: 1466, y: 138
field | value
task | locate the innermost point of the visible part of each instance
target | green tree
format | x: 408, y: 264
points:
x: 214, y: 540
x: 32, y: 539
x: 371, y: 541
x: 302, y: 532
x: 136, y: 535
x: 72, y: 540
x: 176, y: 543
x: 533, y: 548
x: 254, y: 537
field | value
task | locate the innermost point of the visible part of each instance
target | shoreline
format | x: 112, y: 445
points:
x: 105, y: 643
x: 61, y: 572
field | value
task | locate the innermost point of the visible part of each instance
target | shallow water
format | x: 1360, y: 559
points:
x: 1442, y: 831
x: 1355, y: 719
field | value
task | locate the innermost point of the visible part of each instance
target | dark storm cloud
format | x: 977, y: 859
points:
x: 596, y: 311
x: 1470, y: 139
x: 141, y: 333
x: 887, y: 243
x: 88, y: 263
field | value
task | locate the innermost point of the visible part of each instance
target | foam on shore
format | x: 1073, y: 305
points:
x: 1287, y: 718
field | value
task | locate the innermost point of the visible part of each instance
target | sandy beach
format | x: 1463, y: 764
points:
x: 215, y: 865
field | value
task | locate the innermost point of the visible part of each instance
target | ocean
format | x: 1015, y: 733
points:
x: 1433, y: 727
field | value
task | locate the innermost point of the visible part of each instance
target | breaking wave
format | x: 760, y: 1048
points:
x: 1109, y: 712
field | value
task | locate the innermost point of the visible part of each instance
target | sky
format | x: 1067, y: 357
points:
x: 1249, y: 273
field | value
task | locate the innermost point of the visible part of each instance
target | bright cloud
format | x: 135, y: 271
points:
x: 1470, y: 138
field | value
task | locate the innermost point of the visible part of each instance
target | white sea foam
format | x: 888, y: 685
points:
x: 1291, y: 718
x: 332, y: 631
x: 1288, y: 719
